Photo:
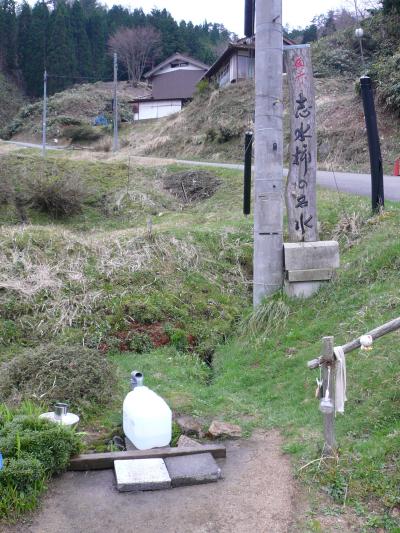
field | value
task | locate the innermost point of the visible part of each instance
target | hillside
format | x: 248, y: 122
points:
x: 212, y: 128
x: 74, y: 108
x: 173, y: 298
x: 11, y: 99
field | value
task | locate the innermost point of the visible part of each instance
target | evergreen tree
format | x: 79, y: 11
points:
x: 61, y: 59
x: 83, y: 52
x: 391, y: 5
x: 35, y: 55
x: 171, y: 38
x: 24, y: 38
x: 8, y: 35
x: 97, y: 32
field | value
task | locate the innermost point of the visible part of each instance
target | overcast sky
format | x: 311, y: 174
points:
x: 230, y: 12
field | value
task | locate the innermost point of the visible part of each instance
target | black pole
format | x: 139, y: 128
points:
x: 249, y: 17
x: 248, y: 143
x: 377, y: 192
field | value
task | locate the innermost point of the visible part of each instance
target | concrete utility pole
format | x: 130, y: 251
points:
x: 44, y: 115
x: 268, y: 211
x: 115, y: 107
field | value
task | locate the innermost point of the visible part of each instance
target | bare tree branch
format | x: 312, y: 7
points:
x: 136, y: 48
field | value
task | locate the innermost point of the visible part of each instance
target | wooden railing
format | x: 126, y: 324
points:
x: 328, y: 361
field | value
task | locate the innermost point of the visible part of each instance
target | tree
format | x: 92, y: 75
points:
x: 37, y: 50
x: 391, y: 5
x: 84, y: 67
x: 24, y: 38
x: 136, y: 47
x: 61, y: 62
x: 8, y: 34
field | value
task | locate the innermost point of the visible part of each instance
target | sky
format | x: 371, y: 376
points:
x: 230, y: 12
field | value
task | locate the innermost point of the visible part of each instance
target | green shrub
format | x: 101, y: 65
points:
x: 33, y: 450
x: 21, y: 473
x: 83, y: 132
x: 75, y: 374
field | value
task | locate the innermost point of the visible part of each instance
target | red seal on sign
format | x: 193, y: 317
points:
x: 299, y: 62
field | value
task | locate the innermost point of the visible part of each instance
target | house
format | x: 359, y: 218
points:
x: 236, y: 62
x: 173, y: 83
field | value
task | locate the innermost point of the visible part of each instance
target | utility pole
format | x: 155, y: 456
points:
x: 268, y: 212
x: 44, y: 116
x: 115, y: 107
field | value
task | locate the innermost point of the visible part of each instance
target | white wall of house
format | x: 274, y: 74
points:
x: 157, y: 109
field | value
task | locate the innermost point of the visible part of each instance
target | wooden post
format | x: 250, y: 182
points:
x: 329, y: 419
x: 268, y: 183
x: 301, y: 200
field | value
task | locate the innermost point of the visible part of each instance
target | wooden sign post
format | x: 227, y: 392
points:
x: 301, y: 199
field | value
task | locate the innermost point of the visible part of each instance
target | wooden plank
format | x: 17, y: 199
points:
x: 102, y: 461
x: 389, y: 327
x: 301, y: 199
x: 329, y: 419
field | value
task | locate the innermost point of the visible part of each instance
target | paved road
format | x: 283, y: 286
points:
x: 344, y: 181
x: 32, y: 145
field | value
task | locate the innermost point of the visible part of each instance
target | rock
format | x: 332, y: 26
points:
x: 219, y: 430
x: 141, y: 474
x: 189, y: 426
x: 192, y: 469
x: 187, y: 442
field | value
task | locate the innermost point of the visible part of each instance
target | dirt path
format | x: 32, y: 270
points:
x: 257, y: 495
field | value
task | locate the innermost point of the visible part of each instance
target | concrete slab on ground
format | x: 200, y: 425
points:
x: 192, y: 469
x: 141, y: 474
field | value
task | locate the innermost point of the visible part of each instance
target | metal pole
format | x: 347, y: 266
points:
x: 268, y: 187
x: 377, y: 190
x: 248, y: 143
x: 115, y: 143
x: 44, y: 116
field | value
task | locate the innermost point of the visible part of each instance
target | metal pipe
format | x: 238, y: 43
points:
x: 248, y: 144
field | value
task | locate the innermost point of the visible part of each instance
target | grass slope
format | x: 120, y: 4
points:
x: 89, y: 278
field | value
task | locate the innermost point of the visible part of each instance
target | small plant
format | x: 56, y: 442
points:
x: 59, y: 196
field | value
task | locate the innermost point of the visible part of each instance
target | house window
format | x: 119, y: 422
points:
x: 177, y: 64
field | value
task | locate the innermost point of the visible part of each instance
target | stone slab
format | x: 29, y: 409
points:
x: 186, y: 442
x: 192, y: 470
x: 302, y: 289
x: 141, y: 474
x: 318, y: 274
x: 311, y: 255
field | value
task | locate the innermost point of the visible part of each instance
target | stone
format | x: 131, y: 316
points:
x: 135, y: 475
x: 302, y: 289
x: 186, y: 442
x: 311, y: 255
x: 190, y: 426
x: 219, y: 430
x: 192, y: 469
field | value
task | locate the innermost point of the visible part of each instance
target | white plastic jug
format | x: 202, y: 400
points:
x: 147, y: 419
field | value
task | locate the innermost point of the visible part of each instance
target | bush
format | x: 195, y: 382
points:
x: 59, y: 196
x: 33, y: 450
x: 386, y: 74
x: 74, y: 374
x: 84, y: 132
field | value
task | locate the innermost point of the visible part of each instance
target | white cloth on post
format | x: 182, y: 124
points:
x: 341, y: 384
